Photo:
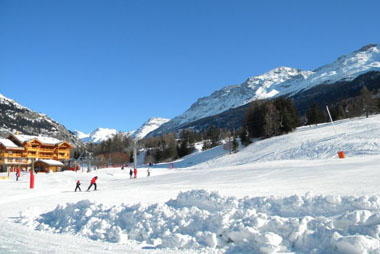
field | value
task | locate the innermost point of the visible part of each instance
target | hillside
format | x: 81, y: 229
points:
x: 15, y: 117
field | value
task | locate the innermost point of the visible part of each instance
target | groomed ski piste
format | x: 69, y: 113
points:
x: 287, y: 194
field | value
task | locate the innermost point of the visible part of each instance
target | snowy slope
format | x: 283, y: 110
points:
x: 149, y: 126
x: 288, y: 194
x: 278, y: 82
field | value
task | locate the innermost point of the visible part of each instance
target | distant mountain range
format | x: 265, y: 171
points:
x: 225, y: 107
x: 102, y: 134
x: 17, y: 118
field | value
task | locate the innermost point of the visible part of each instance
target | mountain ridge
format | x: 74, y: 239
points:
x: 280, y: 81
x: 17, y: 118
x: 103, y: 134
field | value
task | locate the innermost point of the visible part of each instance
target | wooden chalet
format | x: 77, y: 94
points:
x: 25, y: 151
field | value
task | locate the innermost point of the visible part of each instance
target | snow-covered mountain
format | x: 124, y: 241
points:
x: 102, y: 134
x: 278, y: 82
x: 96, y: 136
x: 149, y: 126
x: 81, y: 135
x: 15, y: 117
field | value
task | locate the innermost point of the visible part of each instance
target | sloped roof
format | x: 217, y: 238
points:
x: 44, y: 140
x: 8, y: 143
x: 52, y: 162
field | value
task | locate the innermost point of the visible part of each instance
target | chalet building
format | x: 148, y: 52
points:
x: 25, y: 151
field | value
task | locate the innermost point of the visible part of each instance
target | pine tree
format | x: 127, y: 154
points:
x: 366, y: 100
x: 235, y: 145
x: 314, y: 114
x: 288, y: 114
x: 244, y: 137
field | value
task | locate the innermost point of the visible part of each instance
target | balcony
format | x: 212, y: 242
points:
x: 13, y: 155
x: 46, y: 150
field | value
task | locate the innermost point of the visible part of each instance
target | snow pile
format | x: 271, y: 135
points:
x: 201, y: 219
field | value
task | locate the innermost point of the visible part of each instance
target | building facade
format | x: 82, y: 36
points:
x: 23, y: 151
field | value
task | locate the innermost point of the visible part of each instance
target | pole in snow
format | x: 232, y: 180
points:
x: 340, y: 153
x: 332, y: 122
x: 32, y: 176
x: 135, y: 155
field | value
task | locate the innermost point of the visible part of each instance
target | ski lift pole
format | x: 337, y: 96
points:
x: 340, y: 153
x: 135, y: 155
x: 332, y: 122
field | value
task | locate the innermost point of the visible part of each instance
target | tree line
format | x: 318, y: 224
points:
x: 263, y: 119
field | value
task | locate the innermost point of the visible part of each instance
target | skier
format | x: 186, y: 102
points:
x: 93, y: 182
x: 148, y: 171
x: 135, y: 173
x: 130, y: 173
x: 18, y: 174
x: 78, y: 186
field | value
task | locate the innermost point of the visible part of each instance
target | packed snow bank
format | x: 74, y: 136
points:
x: 201, y: 219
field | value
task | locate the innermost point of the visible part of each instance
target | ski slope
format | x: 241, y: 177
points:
x: 287, y: 194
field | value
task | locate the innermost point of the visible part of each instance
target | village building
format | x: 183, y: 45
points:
x: 25, y: 152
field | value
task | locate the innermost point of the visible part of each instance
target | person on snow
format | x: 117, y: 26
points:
x: 135, y: 172
x: 130, y: 173
x: 78, y: 186
x: 93, y: 182
x: 18, y: 174
x: 148, y: 171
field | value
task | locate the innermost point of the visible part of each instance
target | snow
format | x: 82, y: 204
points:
x: 81, y: 135
x: 45, y: 140
x: 237, y: 95
x: 98, y: 135
x: 103, y: 134
x: 8, y: 143
x: 288, y: 194
x: 279, y: 82
x: 149, y: 126
x: 52, y: 162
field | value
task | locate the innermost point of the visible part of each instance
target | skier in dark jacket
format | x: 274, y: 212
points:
x: 78, y: 186
x: 93, y: 182
x: 130, y: 173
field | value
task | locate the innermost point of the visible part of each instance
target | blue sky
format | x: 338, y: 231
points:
x: 115, y: 64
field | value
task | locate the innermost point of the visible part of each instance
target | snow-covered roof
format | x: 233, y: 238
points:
x: 8, y: 143
x: 45, y: 140
x: 52, y: 162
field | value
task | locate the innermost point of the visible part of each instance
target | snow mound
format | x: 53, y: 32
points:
x: 201, y: 219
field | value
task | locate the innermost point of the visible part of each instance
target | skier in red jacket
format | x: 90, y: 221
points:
x: 93, y: 182
x: 18, y: 174
x: 135, y: 172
